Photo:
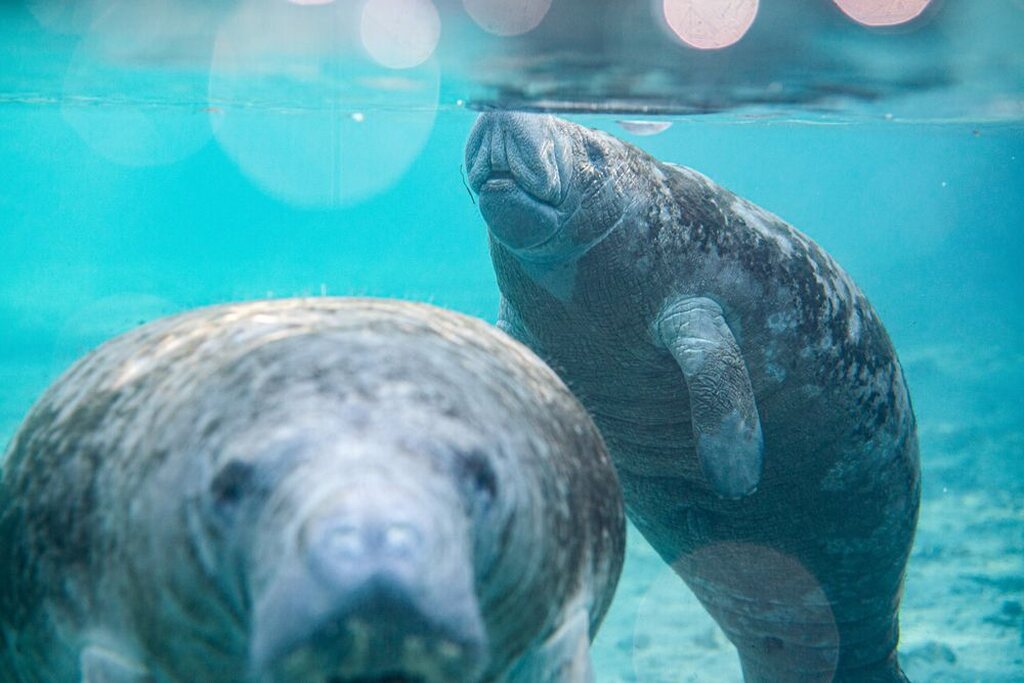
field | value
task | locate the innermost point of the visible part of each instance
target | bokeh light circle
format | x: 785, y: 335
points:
x: 327, y: 126
x: 882, y: 12
x: 776, y: 591
x: 400, y: 34
x: 119, y: 97
x: 507, y: 17
x: 710, y: 24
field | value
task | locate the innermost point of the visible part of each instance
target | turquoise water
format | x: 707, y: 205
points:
x: 212, y: 202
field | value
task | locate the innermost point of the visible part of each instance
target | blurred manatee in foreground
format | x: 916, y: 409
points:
x: 330, y: 490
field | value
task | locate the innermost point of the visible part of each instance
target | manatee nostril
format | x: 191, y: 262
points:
x: 343, y: 541
x: 401, y: 539
x: 478, y: 152
x: 508, y: 146
x: 499, y: 157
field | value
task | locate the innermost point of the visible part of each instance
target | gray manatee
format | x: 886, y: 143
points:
x: 752, y: 401
x: 315, y: 491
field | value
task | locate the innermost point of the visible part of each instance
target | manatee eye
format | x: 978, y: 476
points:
x: 231, y: 483
x: 478, y: 477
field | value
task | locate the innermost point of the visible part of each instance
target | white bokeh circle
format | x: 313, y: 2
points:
x: 710, y: 24
x: 776, y: 592
x: 305, y: 115
x: 400, y: 34
x: 507, y: 17
x: 119, y: 96
x: 882, y: 12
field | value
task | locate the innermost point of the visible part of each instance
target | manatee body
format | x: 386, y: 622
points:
x: 327, y: 491
x: 751, y: 399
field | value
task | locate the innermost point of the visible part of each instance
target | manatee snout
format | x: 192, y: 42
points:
x: 378, y: 588
x: 520, y: 166
x: 549, y: 189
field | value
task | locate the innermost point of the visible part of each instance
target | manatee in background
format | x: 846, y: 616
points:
x: 748, y: 393
x: 315, y: 491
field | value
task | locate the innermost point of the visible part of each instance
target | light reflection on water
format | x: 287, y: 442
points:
x: 328, y: 68
x: 601, y: 55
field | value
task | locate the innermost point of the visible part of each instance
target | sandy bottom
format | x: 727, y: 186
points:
x: 963, y: 610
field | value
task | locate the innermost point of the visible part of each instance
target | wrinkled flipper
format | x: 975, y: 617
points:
x: 725, y: 421
x: 563, y: 658
x: 100, y: 665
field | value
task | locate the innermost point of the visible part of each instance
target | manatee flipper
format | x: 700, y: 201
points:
x: 100, y: 665
x: 564, y: 657
x: 725, y: 420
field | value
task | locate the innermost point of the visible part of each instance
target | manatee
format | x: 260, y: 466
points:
x: 321, y: 490
x: 751, y: 400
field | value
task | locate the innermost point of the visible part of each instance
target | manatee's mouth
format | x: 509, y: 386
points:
x: 520, y: 166
x: 496, y: 179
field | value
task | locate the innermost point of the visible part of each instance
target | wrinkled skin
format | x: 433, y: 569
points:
x: 750, y: 397
x: 325, y: 491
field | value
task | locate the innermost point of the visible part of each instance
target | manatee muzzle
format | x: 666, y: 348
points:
x: 518, y: 164
x: 370, y: 598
